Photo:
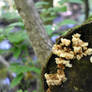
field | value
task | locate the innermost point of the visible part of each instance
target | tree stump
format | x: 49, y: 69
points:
x: 79, y: 76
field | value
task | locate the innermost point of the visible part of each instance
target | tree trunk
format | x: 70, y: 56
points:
x: 79, y: 77
x: 35, y: 29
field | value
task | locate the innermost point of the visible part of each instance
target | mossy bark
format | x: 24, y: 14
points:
x: 79, y: 77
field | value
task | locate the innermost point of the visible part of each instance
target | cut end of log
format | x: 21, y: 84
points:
x: 79, y: 76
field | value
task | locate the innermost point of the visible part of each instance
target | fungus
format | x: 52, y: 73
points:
x: 91, y: 59
x: 55, y: 79
x: 77, y: 49
x: 65, y: 42
x: 64, y: 62
x: 65, y: 54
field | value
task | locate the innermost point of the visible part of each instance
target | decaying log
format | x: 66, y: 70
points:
x: 79, y: 77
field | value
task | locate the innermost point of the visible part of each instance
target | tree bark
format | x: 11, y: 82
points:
x: 35, y: 29
x: 79, y: 77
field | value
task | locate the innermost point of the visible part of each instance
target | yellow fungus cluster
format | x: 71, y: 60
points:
x: 55, y: 79
x: 67, y: 50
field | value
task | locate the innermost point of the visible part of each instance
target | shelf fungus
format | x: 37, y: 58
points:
x: 55, y: 79
x: 67, y: 50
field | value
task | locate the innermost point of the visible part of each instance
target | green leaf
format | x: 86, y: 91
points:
x: 49, y: 29
x: 11, y: 15
x: 49, y: 18
x: 16, y: 52
x: 61, y: 2
x: 1, y: 30
x: 34, y: 91
x: 16, y: 80
x: 60, y: 9
x: 2, y: 37
x: 75, y: 1
x: 44, y: 12
x: 50, y: 9
x: 3, y: 51
x: 8, y: 30
x: 52, y: 13
x: 17, y: 37
x: 20, y: 24
x: 20, y: 90
x: 22, y: 69
x: 67, y: 21
x: 41, y: 3
x: 25, y: 91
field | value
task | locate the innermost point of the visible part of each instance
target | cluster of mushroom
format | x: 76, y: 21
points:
x: 67, y: 50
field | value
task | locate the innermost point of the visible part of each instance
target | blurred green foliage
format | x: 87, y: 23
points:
x: 20, y: 71
x: 49, y: 14
x: 21, y: 90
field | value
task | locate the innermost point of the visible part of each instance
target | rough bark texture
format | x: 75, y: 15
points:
x: 37, y: 34
x: 80, y: 75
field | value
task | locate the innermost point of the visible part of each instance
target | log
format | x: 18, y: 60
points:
x: 79, y: 77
